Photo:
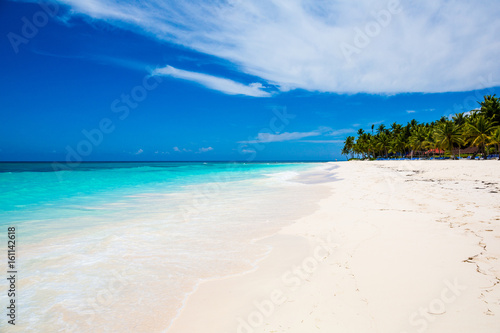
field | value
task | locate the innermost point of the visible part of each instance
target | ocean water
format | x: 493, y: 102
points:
x: 118, y: 247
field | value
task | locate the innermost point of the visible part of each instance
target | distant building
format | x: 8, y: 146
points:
x: 468, y: 150
x: 434, y: 151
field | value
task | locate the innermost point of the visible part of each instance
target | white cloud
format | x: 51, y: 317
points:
x: 183, y: 150
x: 248, y: 151
x: 468, y: 113
x: 213, y: 82
x: 140, y: 151
x: 204, y: 150
x: 410, y: 111
x: 322, y: 141
x: 341, y: 131
x: 266, y: 137
x: 286, y: 136
x: 429, y: 46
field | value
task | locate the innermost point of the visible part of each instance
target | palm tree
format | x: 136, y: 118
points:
x: 396, y: 128
x: 443, y: 119
x: 490, y: 108
x: 447, y: 134
x: 398, y: 144
x: 495, y: 139
x: 345, y: 152
x: 479, y: 128
x: 365, y: 144
x: 348, y: 146
x: 478, y: 131
x: 430, y: 140
x: 371, y: 145
x: 359, y: 146
x: 460, y: 119
x: 383, y: 143
x: 417, y: 139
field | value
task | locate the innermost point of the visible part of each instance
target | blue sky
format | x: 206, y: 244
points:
x: 232, y: 80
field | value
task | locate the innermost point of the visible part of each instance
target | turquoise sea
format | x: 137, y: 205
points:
x: 105, y: 247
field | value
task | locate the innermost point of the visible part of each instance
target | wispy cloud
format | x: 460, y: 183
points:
x: 420, y: 110
x: 322, y: 141
x: 429, y: 46
x: 179, y: 150
x: 266, y: 137
x: 204, y: 150
x: 341, y: 132
x: 185, y: 150
x: 248, y: 151
x: 286, y: 136
x: 213, y: 82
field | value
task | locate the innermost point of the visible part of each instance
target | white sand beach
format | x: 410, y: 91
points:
x: 396, y: 247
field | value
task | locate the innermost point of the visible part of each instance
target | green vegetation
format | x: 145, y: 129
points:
x: 470, y: 133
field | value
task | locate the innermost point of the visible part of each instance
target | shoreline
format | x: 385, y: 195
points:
x: 315, y: 175
x: 392, y: 252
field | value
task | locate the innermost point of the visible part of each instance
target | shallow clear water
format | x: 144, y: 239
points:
x: 114, y: 247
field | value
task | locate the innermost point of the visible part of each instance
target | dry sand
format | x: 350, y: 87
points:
x: 397, y: 247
